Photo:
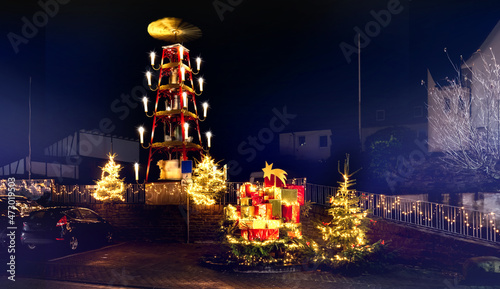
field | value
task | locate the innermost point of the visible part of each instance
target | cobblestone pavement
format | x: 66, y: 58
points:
x: 173, y: 265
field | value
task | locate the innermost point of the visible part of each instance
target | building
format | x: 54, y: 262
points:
x: 76, y: 158
x: 473, y: 102
x: 403, y: 112
x: 314, y: 145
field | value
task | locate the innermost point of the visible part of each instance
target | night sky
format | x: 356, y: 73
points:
x: 89, y: 57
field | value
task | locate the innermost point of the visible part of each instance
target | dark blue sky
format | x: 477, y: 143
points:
x: 90, y: 56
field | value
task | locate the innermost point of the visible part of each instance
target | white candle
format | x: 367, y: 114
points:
x: 209, y: 136
x: 205, y: 107
x: 152, y: 55
x: 181, y: 53
x: 136, y: 167
x: 183, y: 70
x: 198, y: 63
x: 145, y: 102
x: 200, y: 81
x: 184, y: 99
x: 141, y: 133
x: 186, y: 129
x: 148, y: 76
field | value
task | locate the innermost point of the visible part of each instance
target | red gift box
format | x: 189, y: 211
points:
x: 260, y: 234
x: 257, y: 200
x: 273, y: 181
x: 300, y: 193
x: 291, y: 213
x: 247, y: 190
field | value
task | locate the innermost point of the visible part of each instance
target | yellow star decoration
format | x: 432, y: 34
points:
x: 268, y: 171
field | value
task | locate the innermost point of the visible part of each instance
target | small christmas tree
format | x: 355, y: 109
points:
x: 110, y: 187
x: 346, y: 230
x: 208, y: 182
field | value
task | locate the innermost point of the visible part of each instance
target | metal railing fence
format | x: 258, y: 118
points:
x: 451, y: 219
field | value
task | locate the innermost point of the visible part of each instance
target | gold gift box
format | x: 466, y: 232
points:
x: 286, y: 195
x: 245, y: 224
x: 276, y: 208
x: 259, y: 224
x: 273, y: 224
x: 247, y: 211
x: 246, y: 201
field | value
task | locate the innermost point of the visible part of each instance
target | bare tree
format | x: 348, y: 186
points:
x: 464, y: 116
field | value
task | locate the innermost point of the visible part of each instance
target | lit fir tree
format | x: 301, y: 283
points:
x: 110, y: 187
x: 208, y: 182
x: 346, y: 230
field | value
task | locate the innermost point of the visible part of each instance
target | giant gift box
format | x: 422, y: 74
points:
x: 262, y: 211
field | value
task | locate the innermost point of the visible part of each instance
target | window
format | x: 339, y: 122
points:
x: 74, y: 214
x: 380, y: 115
x: 89, y: 215
x: 447, y: 104
x: 418, y: 111
x: 302, y: 140
x: 461, y: 104
x: 323, y: 141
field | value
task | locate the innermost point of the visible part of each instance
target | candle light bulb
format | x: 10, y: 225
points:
x: 136, y: 167
x: 145, y: 102
x: 141, y: 133
x: 152, y: 55
x: 200, y: 81
x: 184, y: 99
x: 181, y: 53
x: 148, y: 76
x: 205, y: 107
x: 186, y: 129
x: 209, y: 136
x: 198, y: 63
x: 183, y: 70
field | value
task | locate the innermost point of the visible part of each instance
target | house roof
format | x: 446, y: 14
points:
x: 491, y: 42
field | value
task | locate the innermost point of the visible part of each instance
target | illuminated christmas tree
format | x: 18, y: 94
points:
x: 345, y: 233
x: 110, y: 187
x: 208, y: 182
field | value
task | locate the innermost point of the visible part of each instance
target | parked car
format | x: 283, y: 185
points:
x: 19, y: 207
x: 70, y: 227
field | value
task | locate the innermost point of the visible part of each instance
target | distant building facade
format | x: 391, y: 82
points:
x: 404, y: 113
x: 314, y: 145
x: 75, y: 158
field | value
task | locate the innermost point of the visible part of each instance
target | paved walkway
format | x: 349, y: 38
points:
x: 160, y: 265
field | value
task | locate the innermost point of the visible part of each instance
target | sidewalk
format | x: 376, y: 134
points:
x: 174, y: 265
